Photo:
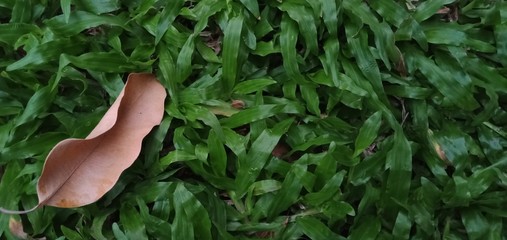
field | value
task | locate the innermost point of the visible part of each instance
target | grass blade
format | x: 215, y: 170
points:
x: 304, y: 18
x: 368, y: 133
x: 230, y: 55
x: 167, y: 16
x: 79, y: 21
x: 288, y: 40
x: 250, y: 165
x: 315, y: 229
x: 217, y: 154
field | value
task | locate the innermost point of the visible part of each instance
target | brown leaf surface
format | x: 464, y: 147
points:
x: 78, y: 172
x: 16, y: 228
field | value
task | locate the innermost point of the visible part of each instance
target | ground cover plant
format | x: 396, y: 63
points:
x: 294, y: 119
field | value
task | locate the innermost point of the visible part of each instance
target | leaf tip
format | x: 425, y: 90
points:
x: 16, y: 228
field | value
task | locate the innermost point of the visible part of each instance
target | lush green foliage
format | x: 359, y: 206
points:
x: 326, y: 119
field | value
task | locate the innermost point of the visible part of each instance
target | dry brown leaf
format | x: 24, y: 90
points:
x: 238, y: 104
x: 78, y: 172
x: 16, y: 228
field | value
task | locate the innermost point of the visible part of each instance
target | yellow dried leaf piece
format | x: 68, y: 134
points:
x: 16, y: 228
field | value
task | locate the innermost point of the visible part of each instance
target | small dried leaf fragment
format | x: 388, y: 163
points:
x: 438, y: 148
x: 78, y: 172
x: 16, y: 228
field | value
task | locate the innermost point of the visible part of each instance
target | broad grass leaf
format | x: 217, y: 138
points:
x: 365, y: 61
x: 230, y: 55
x: 109, y: 62
x: 217, y: 154
x: 490, y: 75
x: 112, y: 83
x: 330, y: 14
x: 360, y: 10
x: 189, y: 208
x: 457, y: 36
x: 155, y: 226
x: 491, y: 144
x: 430, y: 198
x: 194, y: 112
x: 265, y: 186
x: 391, y: 11
x: 325, y: 170
x: 330, y: 63
x: 154, y: 145
x: 235, y: 141
x: 5, y: 133
x: 501, y: 43
x: 409, y: 92
x: 429, y: 8
x: 453, y: 146
x: 98, y: 225
x: 167, y: 72
x: 306, y: 22
x: 252, y: 6
x: 12, y: 185
x: 118, y: 233
x: 444, y: 82
x: 481, y: 180
x: 38, y: 103
x: 265, y: 48
x: 168, y: 15
x: 132, y: 223
x: 289, y: 192
x: 223, y: 108
x: 410, y: 29
x: 476, y: 224
x: 253, y: 85
x: 80, y: 171
x: 385, y: 43
x: 206, y: 52
x: 11, y: 32
x: 399, y: 162
x: 80, y: 20
x: 367, y: 228
x: 368, y: 133
x: 184, y: 60
x: 251, y: 165
x: 70, y: 234
x: 315, y: 229
x: 311, y: 97
x: 329, y: 191
x: 264, y: 26
x: 30, y: 148
x: 153, y: 191
x: 402, y: 226
x: 65, y: 6
x: 368, y: 168
x: 288, y: 40
x: 206, y: 8
x: 252, y: 114
x: 182, y: 226
x: 22, y: 11
x: 337, y: 210
x: 45, y: 53
x: 98, y: 6
x: 446, y: 35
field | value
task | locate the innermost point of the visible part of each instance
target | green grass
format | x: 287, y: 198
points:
x: 294, y: 119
